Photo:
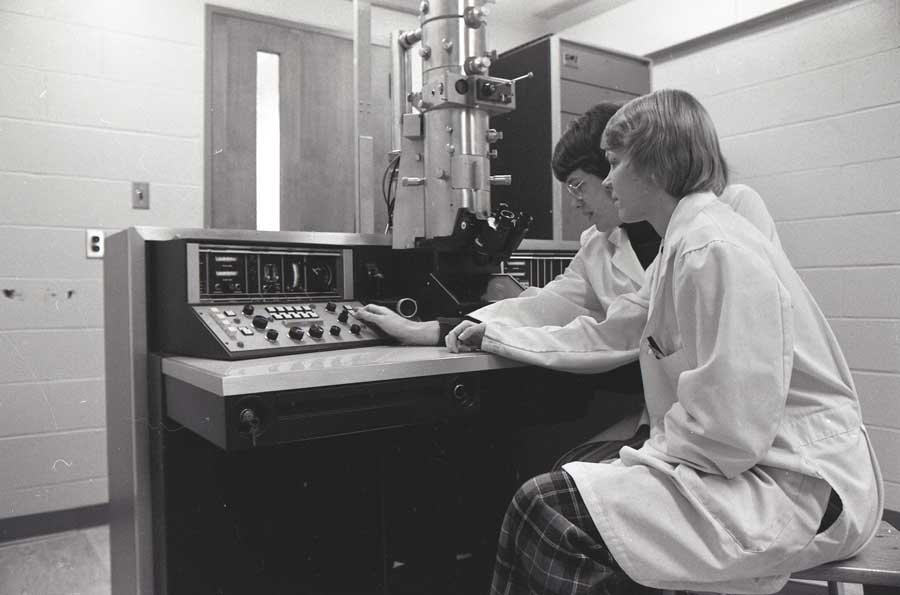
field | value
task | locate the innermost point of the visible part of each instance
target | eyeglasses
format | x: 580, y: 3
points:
x: 575, y: 187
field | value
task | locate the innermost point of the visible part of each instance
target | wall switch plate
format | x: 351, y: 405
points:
x: 140, y: 195
x: 94, y: 243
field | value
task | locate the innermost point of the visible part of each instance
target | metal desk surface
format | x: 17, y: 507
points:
x: 326, y: 368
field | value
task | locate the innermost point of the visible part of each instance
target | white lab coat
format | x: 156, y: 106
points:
x: 604, y: 268
x: 752, y: 409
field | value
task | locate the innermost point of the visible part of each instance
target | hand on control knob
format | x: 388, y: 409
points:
x: 407, y: 332
x: 465, y: 336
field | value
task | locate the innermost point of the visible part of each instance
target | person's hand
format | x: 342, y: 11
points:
x: 408, y: 332
x: 465, y: 336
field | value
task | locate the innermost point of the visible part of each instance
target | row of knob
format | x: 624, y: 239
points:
x: 296, y: 333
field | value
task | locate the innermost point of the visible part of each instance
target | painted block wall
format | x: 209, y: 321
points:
x: 96, y: 94
x: 808, y: 109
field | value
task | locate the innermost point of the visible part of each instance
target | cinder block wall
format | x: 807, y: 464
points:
x: 94, y: 95
x: 808, y: 107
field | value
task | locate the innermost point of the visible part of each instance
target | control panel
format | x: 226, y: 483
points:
x: 265, y: 328
x: 236, y: 301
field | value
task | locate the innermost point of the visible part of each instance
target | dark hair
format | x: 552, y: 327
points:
x: 669, y: 136
x: 579, y: 146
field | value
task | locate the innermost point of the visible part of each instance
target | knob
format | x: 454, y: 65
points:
x: 331, y: 306
x: 342, y: 317
x: 296, y: 333
x: 355, y: 329
x: 335, y: 330
x: 260, y: 322
x: 272, y: 334
x: 316, y: 331
x: 248, y: 309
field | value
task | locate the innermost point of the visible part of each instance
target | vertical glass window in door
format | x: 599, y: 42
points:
x: 268, y: 143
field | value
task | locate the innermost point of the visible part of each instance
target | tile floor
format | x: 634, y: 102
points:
x: 72, y: 563
x: 77, y: 563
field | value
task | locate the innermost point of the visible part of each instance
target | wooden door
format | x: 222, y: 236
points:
x: 317, y: 173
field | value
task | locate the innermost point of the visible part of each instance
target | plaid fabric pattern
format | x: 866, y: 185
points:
x: 597, y: 452
x: 549, y: 545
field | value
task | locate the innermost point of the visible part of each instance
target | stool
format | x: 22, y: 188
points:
x: 877, y: 564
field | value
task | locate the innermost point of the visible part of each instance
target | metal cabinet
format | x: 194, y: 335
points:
x: 569, y: 78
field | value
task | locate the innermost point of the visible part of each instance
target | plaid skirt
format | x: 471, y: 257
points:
x: 550, y: 546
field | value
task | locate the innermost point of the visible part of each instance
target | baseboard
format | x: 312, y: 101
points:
x: 34, y: 525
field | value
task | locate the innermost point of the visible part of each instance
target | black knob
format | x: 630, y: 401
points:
x: 296, y: 333
x: 248, y: 309
x: 335, y: 330
x: 272, y: 334
x: 355, y: 329
x: 342, y: 317
x: 260, y: 322
x: 316, y: 331
x: 331, y: 306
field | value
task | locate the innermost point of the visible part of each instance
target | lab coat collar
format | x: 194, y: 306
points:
x: 624, y: 257
x: 685, y: 211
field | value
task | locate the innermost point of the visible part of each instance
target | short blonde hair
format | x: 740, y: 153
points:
x: 668, y: 136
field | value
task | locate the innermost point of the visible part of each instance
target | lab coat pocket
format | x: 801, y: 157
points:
x: 673, y: 365
x: 752, y: 508
x: 660, y: 376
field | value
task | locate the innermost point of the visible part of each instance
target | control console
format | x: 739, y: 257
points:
x: 238, y: 301
x: 263, y: 328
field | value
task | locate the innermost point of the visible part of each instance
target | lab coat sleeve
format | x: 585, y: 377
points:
x: 735, y: 321
x: 568, y: 296
x: 584, y: 345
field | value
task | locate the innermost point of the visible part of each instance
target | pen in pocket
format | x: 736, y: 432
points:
x: 654, y: 348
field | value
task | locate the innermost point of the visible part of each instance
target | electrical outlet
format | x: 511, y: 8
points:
x: 94, y: 243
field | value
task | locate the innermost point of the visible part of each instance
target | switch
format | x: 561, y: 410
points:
x: 140, y: 195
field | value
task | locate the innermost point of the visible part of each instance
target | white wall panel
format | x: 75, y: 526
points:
x: 24, y: 93
x: 880, y: 398
x: 25, y: 409
x: 865, y: 292
x: 842, y: 241
x: 49, y: 45
x: 28, y: 356
x: 869, y: 187
x: 52, y: 253
x: 154, y: 62
x: 844, y: 33
x: 841, y: 140
x: 887, y: 445
x: 872, y: 292
x: 27, y: 304
x: 85, y: 152
x: 872, y: 345
x: 44, y: 407
x: 34, y: 500
x: 892, y: 495
x: 32, y: 461
x: 852, y: 86
x: 38, y: 200
x: 826, y: 287
x: 123, y: 106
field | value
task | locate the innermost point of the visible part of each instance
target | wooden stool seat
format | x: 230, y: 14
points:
x: 877, y: 564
